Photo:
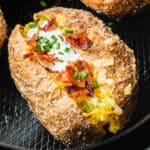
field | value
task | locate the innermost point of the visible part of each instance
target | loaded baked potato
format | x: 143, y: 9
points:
x: 3, y: 29
x: 78, y: 78
x: 116, y: 7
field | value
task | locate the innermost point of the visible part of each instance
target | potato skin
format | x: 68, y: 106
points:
x: 116, y: 8
x: 54, y: 108
x: 3, y: 29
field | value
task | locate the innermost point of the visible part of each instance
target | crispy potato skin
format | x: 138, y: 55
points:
x: 3, y: 29
x: 116, y: 8
x: 53, y: 107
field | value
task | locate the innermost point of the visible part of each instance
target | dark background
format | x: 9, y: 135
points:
x: 17, y: 124
x: 137, y: 140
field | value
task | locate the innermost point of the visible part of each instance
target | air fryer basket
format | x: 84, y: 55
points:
x: 18, y: 127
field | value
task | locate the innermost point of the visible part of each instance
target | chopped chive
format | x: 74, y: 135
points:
x: 76, y: 74
x: 31, y: 24
x: 69, y: 31
x: 43, y: 3
x: 95, y: 84
x: 79, y: 77
x: 43, y: 43
x: 61, y: 53
x: 110, y: 25
x: 60, y: 36
x: 42, y: 40
x: 49, y: 44
x: 58, y: 45
x: 53, y: 39
x: 67, y: 49
x: 86, y: 106
x: 46, y: 47
x: 39, y: 49
x: 84, y: 74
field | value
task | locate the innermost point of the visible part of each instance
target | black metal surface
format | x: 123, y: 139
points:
x: 18, y: 127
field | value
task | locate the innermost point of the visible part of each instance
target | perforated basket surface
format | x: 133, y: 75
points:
x: 18, y: 126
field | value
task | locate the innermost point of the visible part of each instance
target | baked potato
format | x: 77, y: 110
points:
x: 116, y: 7
x: 3, y: 29
x: 78, y: 78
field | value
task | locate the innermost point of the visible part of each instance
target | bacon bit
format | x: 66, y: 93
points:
x: 49, y: 58
x: 32, y: 43
x: 90, y: 88
x: 67, y: 75
x: 79, y: 40
x: 74, y: 86
x: 51, y: 25
x: 28, y: 55
x: 82, y: 66
x: 42, y: 56
x: 76, y: 91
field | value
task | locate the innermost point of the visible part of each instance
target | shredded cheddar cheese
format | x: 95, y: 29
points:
x: 104, y: 109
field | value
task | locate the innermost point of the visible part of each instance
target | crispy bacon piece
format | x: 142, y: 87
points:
x: 28, y: 55
x: 32, y: 42
x: 76, y: 91
x: 67, y: 75
x: 51, y: 25
x: 79, y: 40
x: 76, y: 87
x: 42, y: 56
x: 68, y: 78
x: 49, y: 58
x: 90, y: 88
x: 82, y: 66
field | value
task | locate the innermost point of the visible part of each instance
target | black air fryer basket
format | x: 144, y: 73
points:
x: 18, y: 127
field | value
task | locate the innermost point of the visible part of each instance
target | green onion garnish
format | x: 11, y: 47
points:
x: 46, y: 47
x: 53, y: 39
x: 95, y: 84
x: 31, y: 24
x: 42, y: 39
x: 43, y: 3
x: 77, y: 75
x: 39, y: 49
x: 84, y: 74
x: 110, y: 25
x: 86, y: 106
x: 43, y: 44
x: 61, y: 53
x: 58, y: 45
x: 69, y: 31
x: 67, y: 49
x: 60, y: 36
